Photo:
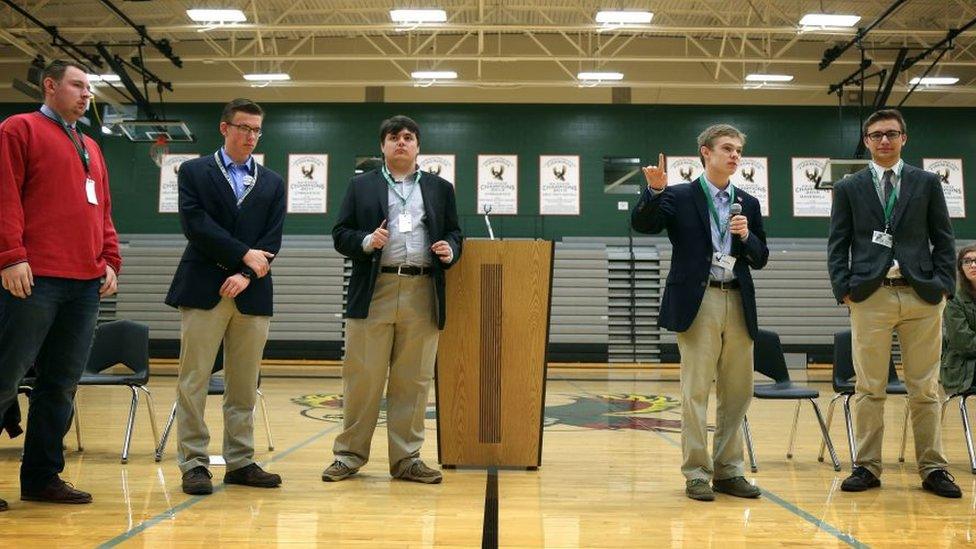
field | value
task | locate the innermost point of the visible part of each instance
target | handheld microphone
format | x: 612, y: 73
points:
x: 735, y: 209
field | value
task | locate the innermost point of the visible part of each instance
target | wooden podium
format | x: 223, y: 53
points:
x: 491, y: 361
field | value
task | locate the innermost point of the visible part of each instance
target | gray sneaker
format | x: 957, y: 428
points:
x: 338, y: 471
x: 698, y: 488
x: 417, y: 471
x: 737, y: 486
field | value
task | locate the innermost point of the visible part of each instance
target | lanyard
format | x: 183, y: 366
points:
x: 889, y: 207
x: 247, y: 188
x: 79, y: 145
x: 723, y: 230
x: 392, y: 185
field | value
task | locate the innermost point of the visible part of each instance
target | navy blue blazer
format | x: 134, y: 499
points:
x: 923, y: 242
x: 365, y: 206
x: 683, y: 210
x: 219, y: 234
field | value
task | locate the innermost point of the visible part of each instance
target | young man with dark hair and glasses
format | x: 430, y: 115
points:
x: 891, y: 259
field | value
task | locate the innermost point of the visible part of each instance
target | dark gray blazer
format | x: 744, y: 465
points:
x: 923, y: 241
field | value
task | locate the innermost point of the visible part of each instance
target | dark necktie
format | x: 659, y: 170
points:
x: 889, y: 187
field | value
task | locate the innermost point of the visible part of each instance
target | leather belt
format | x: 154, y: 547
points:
x: 894, y: 282
x: 727, y: 285
x: 405, y: 270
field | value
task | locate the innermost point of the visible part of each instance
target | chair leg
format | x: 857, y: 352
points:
x: 969, y: 434
x: 796, y: 418
x: 267, y: 421
x: 152, y: 415
x: 904, y: 433
x: 162, y: 440
x: 830, y: 418
x: 129, y: 424
x: 850, y: 427
x: 826, y: 435
x: 748, y: 435
x: 74, y: 404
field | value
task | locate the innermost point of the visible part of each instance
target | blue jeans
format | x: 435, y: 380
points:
x: 52, y: 330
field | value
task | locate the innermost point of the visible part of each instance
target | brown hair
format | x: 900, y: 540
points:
x: 55, y: 69
x: 240, y: 105
x: 707, y: 137
x: 964, y: 283
x: 884, y: 114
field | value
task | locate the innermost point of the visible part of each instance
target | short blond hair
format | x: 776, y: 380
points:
x: 707, y: 137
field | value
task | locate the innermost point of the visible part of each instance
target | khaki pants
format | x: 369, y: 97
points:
x: 919, y: 327
x: 201, y: 332
x: 717, y: 347
x: 398, y: 338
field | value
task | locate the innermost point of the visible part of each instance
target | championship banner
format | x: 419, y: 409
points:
x: 308, y: 176
x: 753, y: 178
x: 949, y: 171
x: 683, y: 169
x: 498, y: 184
x: 441, y: 165
x: 169, y: 194
x: 559, y: 185
x: 808, y: 201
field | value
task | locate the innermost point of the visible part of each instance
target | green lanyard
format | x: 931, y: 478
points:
x: 79, y: 145
x: 392, y: 185
x: 722, y: 229
x: 889, y: 207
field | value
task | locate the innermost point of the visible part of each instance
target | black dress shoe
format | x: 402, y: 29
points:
x: 252, y: 475
x: 941, y: 483
x: 196, y: 481
x: 56, y: 491
x: 860, y: 480
x: 3, y: 505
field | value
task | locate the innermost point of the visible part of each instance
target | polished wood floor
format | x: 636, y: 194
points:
x: 609, y: 478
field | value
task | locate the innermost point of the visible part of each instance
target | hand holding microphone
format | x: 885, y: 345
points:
x: 738, y: 223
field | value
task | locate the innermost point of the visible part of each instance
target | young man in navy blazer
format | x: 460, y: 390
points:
x: 399, y: 226
x: 232, y: 211
x: 891, y: 257
x: 709, y: 299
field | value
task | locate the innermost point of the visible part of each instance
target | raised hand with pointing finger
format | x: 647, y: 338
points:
x: 657, y: 176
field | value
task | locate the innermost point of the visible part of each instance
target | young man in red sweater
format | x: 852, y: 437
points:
x: 59, y: 254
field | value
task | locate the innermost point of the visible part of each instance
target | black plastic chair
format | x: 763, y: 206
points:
x: 842, y: 379
x: 768, y: 360
x: 962, y: 396
x: 121, y: 342
x: 216, y: 387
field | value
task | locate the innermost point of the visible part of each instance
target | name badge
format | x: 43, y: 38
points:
x: 405, y: 222
x: 726, y: 262
x: 90, y: 191
x: 883, y: 239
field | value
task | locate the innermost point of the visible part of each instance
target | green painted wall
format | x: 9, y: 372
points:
x: 345, y: 131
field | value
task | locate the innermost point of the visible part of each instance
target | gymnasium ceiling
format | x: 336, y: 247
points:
x: 693, y: 51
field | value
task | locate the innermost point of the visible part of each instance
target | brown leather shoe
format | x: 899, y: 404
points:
x: 57, y: 491
x: 252, y: 475
x: 196, y: 481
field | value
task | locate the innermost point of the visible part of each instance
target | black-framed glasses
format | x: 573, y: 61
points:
x: 968, y: 261
x: 244, y: 128
x: 890, y: 134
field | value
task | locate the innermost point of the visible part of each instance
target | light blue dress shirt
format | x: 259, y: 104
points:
x: 237, y: 173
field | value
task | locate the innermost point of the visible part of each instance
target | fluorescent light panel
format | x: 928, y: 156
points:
x: 829, y: 20
x: 434, y: 75
x: 769, y: 77
x: 623, y: 17
x: 600, y: 76
x: 418, y: 16
x: 216, y: 16
x: 934, y: 80
x: 103, y: 78
x: 265, y: 77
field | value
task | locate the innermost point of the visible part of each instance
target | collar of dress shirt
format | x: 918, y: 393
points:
x: 229, y: 162
x: 879, y: 171
x: 49, y: 112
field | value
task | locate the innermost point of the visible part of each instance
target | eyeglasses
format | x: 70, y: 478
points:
x: 890, y: 134
x: 244, y: 128
x: 968, y: 261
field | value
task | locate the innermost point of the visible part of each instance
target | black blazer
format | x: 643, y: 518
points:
x: 923, y: 241
x: 220, y: 233
x: 365, y: 207
x: 683, y: 210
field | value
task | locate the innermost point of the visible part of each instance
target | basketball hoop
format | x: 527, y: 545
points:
x: 158, y: 149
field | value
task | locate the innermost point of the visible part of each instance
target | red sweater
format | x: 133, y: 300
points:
x: 45, y: 217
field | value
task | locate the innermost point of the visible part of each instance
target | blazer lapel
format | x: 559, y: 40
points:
x: 905, y: 193
x: 869, y: 196
x: 425, y: 194
x: 383, y: 194
x: 701, y: 205
x: 223, y: 186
